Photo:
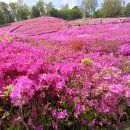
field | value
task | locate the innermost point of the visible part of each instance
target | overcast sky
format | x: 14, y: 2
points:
x: 57, y: 3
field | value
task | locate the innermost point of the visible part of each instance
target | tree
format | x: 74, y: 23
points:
x: 67, y: 14
x: 127, y: 10
x: 97, y: 13
x: 23, y: 12
x: 35, y: 12
x: 13, y: 7
x: 64, y: 14
x: 111, y: 8
x: 40, y: 5
x: 90, y: 6
x: 2, y: 17
x: 76, y: 13
x: 7, y: 14
x: 54, y: 13
x: 48, y: 8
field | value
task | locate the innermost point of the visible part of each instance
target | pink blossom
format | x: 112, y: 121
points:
x: 22, y: 91
x: 30, y: 122
x: 54, y: 125
x: 76, y: 114
x: 79, y: 107
x: 127, y: 93
x: 115, y: 88
x: 60, y: 85
x: 121, y: 112
x: 42, y: 95
x: 59, y: 115
x: 39, y: 127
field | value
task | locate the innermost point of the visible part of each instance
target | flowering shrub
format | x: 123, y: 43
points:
x: 57, y: 86
x: 125, y: 49
x: 36, y: 26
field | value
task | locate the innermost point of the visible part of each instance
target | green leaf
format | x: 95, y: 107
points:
x: 9, y: 88
x: 1, y: 109
x: 6, y: 93
x: 11, y: 127
x: 87, y: 61
x: 6, y: 114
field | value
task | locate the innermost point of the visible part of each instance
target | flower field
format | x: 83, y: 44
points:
x: 55, y: 77
x: 36, y: 26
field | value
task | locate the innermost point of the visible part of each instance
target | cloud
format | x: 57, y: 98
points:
x: 57, y: 3
x: 71, y: 3
x: 8, y: 1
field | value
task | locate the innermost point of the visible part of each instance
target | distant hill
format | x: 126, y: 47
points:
x: 36, y: 26
x: 89, y: 21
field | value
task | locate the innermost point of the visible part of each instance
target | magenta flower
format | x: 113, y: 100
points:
x: 127, y: 93
x: 39, y: 127
x: 116, y: 88
x: 22, y: 92
x: 59, y: 115
x: 76, y: 114
x: 54, y: 125
x: 79, y: 107
x: 60, y: 85
x: 54, y: 112
x: 30, y: 122
x: 121, y: 112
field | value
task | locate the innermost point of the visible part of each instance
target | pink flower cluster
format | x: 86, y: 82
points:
x: 125, y: 49
x: 51, y: 85
x: 59, y: 115
x: 36, y: 26
x: 22, y: 92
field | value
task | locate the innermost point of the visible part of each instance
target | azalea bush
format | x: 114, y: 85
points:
x: 77, y: 78
x: 47, y: 86
x: 36, y: 26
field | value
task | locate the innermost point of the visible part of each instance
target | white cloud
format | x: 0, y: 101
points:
x: 57, y: 3
x: 8, y: 1
x: 71, y: 3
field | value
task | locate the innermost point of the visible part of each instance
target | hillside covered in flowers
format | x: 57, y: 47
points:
x: 53, y: 76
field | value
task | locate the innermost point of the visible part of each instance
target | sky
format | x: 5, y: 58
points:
x: 57, y: 3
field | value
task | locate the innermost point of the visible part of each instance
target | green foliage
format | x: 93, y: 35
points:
x: 76, y: 13
x: 87, y: 61
x: 54, y: 12
x: 2, y: 17
x: 111, y: 8
x: 67, y: 14
x: 13, y: 127
x: 5, y: 115
x: 13, y: 10
x: 89, y: 6
x: 8, y: 90
x: 5, y: 13
x: 48, y: 8
x: 64, y: 14
x: 40, y: 5
x: 127, y: 10
x: 16, y: 12
x: 97, y: 14
x: 23, y: 12
x: 35, y: 12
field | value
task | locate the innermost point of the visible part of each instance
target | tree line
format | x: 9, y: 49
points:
x: 16, y: 12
